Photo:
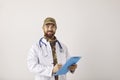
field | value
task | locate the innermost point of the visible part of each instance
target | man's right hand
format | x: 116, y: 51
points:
x: 56, y: 68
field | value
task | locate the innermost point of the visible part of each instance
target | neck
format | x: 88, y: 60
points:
x: 50, y: 39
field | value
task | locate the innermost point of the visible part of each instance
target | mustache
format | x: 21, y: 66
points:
x: 49, y: 31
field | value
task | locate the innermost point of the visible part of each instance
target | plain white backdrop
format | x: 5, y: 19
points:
x: 89, y: 28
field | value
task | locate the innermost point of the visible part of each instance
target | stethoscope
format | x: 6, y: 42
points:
x: 41, y: 42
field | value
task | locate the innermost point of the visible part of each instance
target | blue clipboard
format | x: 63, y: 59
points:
x: 64, y: 69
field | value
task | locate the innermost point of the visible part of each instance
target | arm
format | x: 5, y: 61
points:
x: 73, y: 67
x: 34, y: 65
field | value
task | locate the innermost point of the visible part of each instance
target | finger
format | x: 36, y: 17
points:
x: 59, y: 65
x: 74, y: 65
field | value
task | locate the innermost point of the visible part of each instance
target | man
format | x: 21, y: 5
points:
x: 48, y: 55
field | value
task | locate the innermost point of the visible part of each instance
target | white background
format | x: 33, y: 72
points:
x: 89, y: 28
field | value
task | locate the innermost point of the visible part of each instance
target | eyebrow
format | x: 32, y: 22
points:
x: 50, y: 24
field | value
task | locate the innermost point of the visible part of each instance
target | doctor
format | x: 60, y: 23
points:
x: 48, y: 55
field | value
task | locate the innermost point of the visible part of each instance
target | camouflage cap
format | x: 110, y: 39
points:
x: 50, y: 20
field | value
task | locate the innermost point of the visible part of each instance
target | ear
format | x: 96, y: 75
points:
x: 43, y: 27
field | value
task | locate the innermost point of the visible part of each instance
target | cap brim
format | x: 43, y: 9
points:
x: 49, y: 23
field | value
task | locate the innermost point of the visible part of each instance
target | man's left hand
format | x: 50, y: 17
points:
x: 72, y: 68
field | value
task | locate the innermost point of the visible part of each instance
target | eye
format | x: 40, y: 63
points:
x: 52, y: 25
x: 46, y: 25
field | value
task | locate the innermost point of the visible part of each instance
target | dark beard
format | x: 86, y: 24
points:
x: 49, y: 36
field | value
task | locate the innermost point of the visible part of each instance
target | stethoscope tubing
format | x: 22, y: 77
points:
x: 41, y: 42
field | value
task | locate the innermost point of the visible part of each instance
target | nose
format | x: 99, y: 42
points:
x: 50, y: 28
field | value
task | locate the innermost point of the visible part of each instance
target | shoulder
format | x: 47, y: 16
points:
x: 34, y: 48
x: 35, y: 45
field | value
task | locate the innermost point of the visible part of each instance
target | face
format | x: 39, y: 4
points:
x: 49, y: 30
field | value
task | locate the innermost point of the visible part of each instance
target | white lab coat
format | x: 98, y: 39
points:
x: 40, y: 60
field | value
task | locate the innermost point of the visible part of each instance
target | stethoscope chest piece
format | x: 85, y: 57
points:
x: 61, y: 50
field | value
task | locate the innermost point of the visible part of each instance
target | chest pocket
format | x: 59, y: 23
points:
x: 61, y: 56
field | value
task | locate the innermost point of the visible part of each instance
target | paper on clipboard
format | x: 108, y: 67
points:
x: 69, y: 62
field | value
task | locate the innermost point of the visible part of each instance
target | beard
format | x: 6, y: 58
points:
x: 49, y: 34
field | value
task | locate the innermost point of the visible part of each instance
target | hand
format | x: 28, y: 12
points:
x: 72, y: 68
x: 56, y: 68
